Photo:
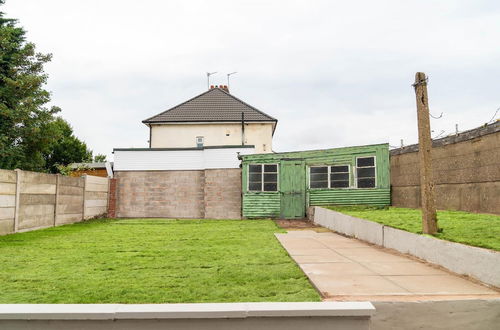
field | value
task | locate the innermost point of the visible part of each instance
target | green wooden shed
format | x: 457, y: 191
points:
x: 285, y: 184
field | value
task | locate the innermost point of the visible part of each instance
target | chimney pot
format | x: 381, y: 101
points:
x: 211, y: 86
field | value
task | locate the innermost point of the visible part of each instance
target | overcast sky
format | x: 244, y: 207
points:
x: 334, y: 73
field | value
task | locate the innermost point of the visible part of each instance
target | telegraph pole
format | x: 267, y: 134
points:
x: 429, y: 219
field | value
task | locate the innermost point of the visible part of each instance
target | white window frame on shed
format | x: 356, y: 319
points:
x: 356, y: 171
x: 329, y: 172
x: 262, y: 177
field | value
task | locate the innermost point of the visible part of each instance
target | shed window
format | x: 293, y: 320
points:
x: 263, y: 177
x: 323, y: 177
x: 339, y: 176
x: 366, y: 172
x: 318, y: 177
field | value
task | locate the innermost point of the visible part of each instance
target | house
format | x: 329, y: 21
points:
x: 191, y: 168
x: 213, y: 118
x: 285, y: 184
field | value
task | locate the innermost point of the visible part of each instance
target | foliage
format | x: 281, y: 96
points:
x: 150, y: 261
x: 66, y: 149
x: 100, y: 158
x: 28, y: 127
x: 482, y: 230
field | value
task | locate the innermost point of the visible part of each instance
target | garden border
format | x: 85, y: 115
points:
x: 481, y: 264
x: 263, y: 316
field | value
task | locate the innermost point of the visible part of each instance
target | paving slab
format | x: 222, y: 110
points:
x: 343, y: 268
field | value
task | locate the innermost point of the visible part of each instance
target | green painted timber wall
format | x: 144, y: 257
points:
x: 267, y: 204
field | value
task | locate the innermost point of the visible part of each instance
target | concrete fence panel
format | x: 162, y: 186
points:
x: 30, y: 200
x: 96, y: 196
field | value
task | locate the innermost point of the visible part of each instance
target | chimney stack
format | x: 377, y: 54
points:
x: 224, y: 88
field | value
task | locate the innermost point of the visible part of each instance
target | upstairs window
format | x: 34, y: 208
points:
x: 263, y: 177
x: 324, y: 177
x: 365, y: 172
x: 200, y: 141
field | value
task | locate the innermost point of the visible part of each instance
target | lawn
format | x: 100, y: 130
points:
x: 150, y: 261
x: 482, y: 230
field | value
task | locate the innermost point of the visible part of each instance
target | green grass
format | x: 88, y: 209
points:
x: 482, y: 230
x: 150, y: 261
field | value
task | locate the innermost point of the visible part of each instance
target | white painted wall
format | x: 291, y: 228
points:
x: 164, y: 160
x: 215, y: 134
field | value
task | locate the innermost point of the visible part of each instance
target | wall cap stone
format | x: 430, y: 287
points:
x: 182, y: 311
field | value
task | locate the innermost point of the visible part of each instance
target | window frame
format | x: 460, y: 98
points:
x: 262, y: 178
x: 356, y: 172
x: 329, y: 167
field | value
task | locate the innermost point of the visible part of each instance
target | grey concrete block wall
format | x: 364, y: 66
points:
x: 481, y: 264
x: 179, y: 194
x: 31, y: 200
x: 222, y: 194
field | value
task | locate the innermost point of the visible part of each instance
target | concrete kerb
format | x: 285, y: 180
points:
x: 481, y: 264
x: 320, y: 315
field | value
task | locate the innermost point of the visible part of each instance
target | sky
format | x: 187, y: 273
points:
x: 334, y: 73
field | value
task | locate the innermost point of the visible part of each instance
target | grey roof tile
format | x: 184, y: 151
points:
x: 213, y: 105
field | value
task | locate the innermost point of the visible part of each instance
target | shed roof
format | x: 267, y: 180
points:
x: 214, y: 105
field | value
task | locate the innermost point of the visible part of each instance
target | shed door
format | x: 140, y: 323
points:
x: 293, y: 189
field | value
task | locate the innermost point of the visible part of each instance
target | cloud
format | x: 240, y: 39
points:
x: 335, y: 73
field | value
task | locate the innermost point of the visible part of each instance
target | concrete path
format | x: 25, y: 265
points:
x: 344, y: 268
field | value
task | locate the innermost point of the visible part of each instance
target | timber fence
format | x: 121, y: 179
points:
x: 31, y: 200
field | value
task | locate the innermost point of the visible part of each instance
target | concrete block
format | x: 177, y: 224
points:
x: 6, y: 226
x: 71, y: 181
x: 70, y: 208
x: 369, y: 231
x: 37, y: 178
x: 38, y: 188
x: 400, y: 240
x: 68, y: 218
x: 35, y: 199
x: 96, y: 180
x: 96, y: 187
x: 7, y: 213
x: 7, y: 200
x: 96, y: 203
x: 70, y: 190
x: 8, y: 176
x: 7, y: 188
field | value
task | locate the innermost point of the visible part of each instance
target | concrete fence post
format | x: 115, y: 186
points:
x: 56, y: 198
x: 84, y: 202
x: 18, y: 199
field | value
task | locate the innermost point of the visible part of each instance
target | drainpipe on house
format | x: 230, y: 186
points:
x: 242, y: 128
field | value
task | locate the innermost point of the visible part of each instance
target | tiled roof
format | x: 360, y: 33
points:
x: 212, y: 106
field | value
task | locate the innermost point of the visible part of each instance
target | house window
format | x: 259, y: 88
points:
x: 365, y: 172
x: 199, y: 141
x: 324, y: 177
x: 263, y: 177
x: 339, y: 176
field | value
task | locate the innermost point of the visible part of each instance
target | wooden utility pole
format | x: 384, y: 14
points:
x: 429, y: 220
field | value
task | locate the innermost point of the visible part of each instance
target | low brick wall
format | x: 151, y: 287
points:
x: 482, y: 264
x: 214, y: 194
x: 31, y: 200
x: 221, y: 316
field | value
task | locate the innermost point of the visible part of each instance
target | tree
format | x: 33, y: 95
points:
x: 28, y: 127
x: 66, y: 148
x: 100, y: 158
